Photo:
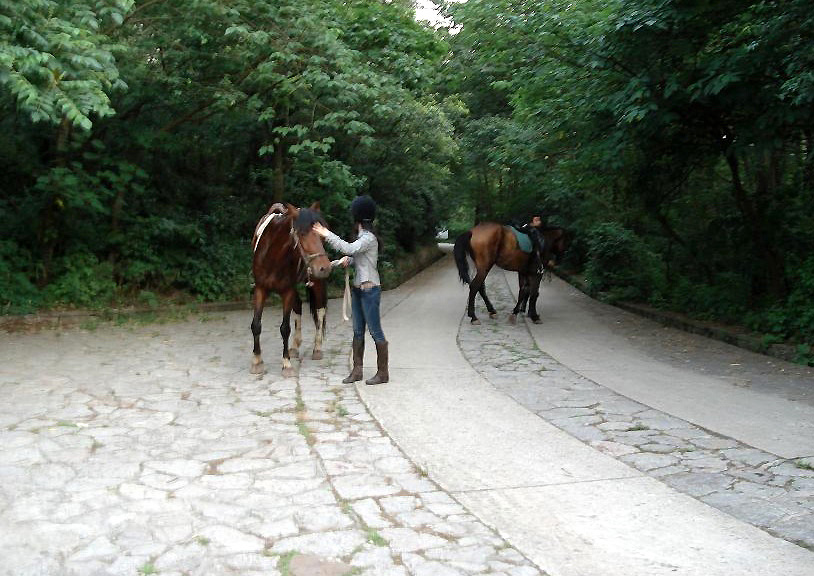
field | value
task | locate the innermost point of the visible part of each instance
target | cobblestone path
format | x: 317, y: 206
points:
x: 759, y: 488
x: 152, y: 450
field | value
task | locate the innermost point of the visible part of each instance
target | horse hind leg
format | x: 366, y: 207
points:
x: 294, y: 351
x: 257, y: 328
x: 489, y: 307
x: 319, y: 323
x: 285, y: 332
x: 470, y: 304
x: 476, y: 287
x: 318, y: 302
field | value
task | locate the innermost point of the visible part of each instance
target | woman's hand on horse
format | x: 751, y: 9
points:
x: 344, y: 261
x: 321, y: 230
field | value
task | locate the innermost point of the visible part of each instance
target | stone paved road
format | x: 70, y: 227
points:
x: 152, y: 450
x: 757, y: 487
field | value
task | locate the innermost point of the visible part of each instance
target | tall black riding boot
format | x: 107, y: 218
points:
x: 358, y: 355
x: 382, y: 375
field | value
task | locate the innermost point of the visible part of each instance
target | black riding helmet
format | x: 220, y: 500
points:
x: 363, y: 209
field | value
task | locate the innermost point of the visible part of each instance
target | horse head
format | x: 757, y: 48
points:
x: 308, y: 242
x: 555, y: 243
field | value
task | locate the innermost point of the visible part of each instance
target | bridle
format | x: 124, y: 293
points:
x: 305, y: 257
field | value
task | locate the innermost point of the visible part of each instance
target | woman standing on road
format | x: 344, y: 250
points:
x: 366, y: 293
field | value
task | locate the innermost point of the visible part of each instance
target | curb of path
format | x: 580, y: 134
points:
x: 734, y: 335
x: 70, y: 318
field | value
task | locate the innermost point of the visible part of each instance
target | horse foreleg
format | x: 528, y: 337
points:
x: 285, y: 332
x: 259, y: 302
x: 319, y: 323
x: 522, y: 297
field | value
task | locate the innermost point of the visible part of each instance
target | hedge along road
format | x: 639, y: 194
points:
x: 152, y: 448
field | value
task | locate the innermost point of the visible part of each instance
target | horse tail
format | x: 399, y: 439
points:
x: 461, y: 249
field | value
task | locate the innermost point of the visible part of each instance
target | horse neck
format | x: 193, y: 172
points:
x: 278, y: 234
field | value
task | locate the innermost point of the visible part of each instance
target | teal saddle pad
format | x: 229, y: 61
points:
x: 523, y: 240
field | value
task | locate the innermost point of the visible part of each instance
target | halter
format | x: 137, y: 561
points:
x: 305, y: 258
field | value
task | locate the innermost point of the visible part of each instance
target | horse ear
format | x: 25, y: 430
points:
x: 293, y: 210
x: 315, y: 206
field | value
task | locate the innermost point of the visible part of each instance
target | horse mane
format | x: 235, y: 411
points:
x: 306, y: 219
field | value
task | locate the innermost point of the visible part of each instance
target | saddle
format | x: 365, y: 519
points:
x: 523, y: 240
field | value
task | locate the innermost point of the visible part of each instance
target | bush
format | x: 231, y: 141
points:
x: 83, y: 281
x: 725, y: 298
x: 800, y: 304
x: 793, y: 319
x: 17, y: 294
x: 620, y: 265
x: 223, y: 272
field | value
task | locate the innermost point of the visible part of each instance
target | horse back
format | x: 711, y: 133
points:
x: 493, y: 243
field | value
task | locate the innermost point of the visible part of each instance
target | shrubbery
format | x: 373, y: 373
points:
x: 17, y: 293
x: 620, y: 266
x: 83, y: 281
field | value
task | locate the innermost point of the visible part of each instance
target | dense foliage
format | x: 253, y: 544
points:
x: 672, y: 137
x: 141, y: 139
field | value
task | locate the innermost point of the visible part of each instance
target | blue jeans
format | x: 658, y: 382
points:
x: 365, y: 307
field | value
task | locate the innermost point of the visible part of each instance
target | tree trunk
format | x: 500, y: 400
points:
x: 49, y: 234
x: 759, y: 233
x: 483, y: 194
x: 807, y: 154
x: 115, y: 218
x: 278, y: 165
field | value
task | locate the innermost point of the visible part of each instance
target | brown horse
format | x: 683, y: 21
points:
x: 489, y: 244
x: 288, y: 251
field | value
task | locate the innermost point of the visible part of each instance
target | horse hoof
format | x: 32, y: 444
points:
x: 492, y: 315
x: 512, y: 318
x: 293, y: 353
x: 475, y: 322
x: 289, y: 372
x: 316, y: 355
x: 258, y: 368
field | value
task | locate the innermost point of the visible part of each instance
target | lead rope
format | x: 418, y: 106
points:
x: 346, y: 308
x: 346, y: 298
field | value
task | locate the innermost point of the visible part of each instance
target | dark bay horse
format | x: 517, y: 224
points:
x: 490, y: 244
x: 286, y: 252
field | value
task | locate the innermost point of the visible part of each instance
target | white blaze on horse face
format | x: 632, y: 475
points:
x: 320, y: 329
x: 297, y: 330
